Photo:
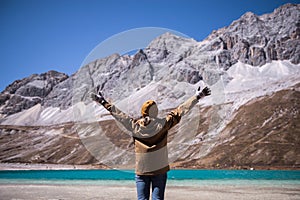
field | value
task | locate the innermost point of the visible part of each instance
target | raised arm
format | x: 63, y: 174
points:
x: 191, y: 102
x: 122, y: 117
x: 175, y: 115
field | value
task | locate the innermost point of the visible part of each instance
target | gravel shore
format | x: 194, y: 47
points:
x: 81, y: 192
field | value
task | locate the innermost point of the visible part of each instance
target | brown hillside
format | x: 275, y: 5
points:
x: 264, y: 133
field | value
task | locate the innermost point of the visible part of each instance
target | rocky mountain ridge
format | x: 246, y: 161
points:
x: 252, y: 61
x: 256, y: 40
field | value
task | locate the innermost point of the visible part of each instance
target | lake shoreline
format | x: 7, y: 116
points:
x: 44, y: 166
x: 47, y: 166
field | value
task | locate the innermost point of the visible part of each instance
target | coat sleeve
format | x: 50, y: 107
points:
x: 124, y: 119
x: 175, y: 115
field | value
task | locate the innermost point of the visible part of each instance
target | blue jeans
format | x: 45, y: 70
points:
x: 158, y: 186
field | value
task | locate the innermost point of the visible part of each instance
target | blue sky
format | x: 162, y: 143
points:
x: 42, y: 35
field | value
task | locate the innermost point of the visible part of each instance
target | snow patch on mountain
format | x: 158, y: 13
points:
x: 247, y: 77
x: 24, y: 118
x: 248, y: 82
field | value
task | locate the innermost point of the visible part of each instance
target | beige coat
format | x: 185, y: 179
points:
x: 150, y: 136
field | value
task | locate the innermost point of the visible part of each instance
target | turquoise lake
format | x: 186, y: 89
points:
x: 175, y: 177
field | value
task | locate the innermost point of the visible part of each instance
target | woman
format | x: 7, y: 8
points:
x: 150, y: 139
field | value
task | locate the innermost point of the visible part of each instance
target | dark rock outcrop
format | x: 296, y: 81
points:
x: 256, y: 40
x: 25, y: 93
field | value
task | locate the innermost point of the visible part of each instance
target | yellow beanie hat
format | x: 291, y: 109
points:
x: 149, y: 108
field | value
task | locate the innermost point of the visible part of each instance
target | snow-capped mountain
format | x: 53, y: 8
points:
x: 252, y: 67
